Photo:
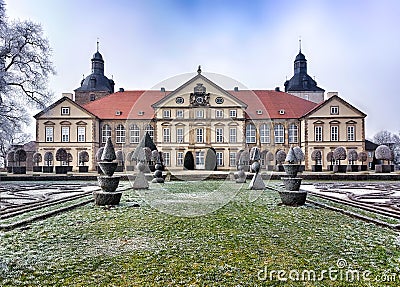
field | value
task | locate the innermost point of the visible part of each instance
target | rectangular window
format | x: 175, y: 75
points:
x: 167, y: 158
x: 199, y: 159
x: 81, y: 134
x: 166, y: 135
x: 220, y: 158
x: 334, y: 133
x: 318, y: 133
x: 65, y: 111
x: 265, y: 136
x: 179, y: 114
x: 219, y: 114
x: 179, y: 158
x: 219, y: 135
x: 179, y: 135
x: 65, y: 134
x: 166, y: 114
x: 199, y: 114
x: 232, y: 113
x: 334, y: 110
x: 350, y: 133
x: 232, y: 135
x: 279, y: 133
x: 199, y: 135
x: 49, y: 134
x: 232, y: 159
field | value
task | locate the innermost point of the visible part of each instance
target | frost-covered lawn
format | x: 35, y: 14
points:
x: 238, y: 244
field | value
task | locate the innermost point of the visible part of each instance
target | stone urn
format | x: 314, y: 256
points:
x: 292, y: 195
x: 108, y: 183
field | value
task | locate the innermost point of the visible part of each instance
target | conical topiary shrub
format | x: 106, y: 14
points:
x: 188, y: 162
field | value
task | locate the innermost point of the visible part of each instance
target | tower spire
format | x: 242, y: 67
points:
x: 97, y: 44
x: 299, y: 44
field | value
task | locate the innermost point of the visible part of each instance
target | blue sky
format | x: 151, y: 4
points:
x: 352, y: 47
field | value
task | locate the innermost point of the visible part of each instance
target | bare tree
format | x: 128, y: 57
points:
x: 383, y: 137
x: 25, y: 66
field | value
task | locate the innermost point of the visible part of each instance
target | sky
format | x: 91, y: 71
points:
x: 352, y: 46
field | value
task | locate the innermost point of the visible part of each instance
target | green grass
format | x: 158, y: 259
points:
x: 130, y: 246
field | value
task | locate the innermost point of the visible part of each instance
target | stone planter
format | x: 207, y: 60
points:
x: 9, y: 169
x: 354, y: 168
x: 120, y: 168
x: 108, y: 168
x: 130, y: 168
x: 19, y: 170
x: 69, y: 168
x: 302, y: 168
x: 61, y: 169
x: 293, y: 198
x: 383, y: 168
x: 363, y: 167
x: 48, y: 169
x: 291, y: 184
x: 83, y: 168
x: 316, y: 168
x: 37, y: 168
x: 291, y: 169
x: 280, y: 168
x: 340, y: 168
x: 329, y: 167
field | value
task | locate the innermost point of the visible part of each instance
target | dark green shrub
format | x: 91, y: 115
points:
x: 188, y: 162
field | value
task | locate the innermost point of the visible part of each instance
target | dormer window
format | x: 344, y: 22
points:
x: 281, y: 112
x: 118, y: 113
x: 259, y: 112
x: 64, y: 111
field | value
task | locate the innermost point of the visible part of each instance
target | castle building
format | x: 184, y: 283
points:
x: 200, y: 115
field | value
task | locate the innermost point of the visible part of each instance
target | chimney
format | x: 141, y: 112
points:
x: 277, y: 89
x: 121, y: 90
x: 236, y: 89
x: 68, y: 95
x: 162, y: 89
x: 331, y: 94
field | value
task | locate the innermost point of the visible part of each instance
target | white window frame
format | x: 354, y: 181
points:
x: 200, y: 135
x: 199, y: 158
x: 199, y: 114
x: 219, y: 135
x: 179, y: 114
x: 65, y: 134
x: 167, y: 158
x: 180, y: 136
x: 251, y: 133
x: 265, y: 134
x: 120, y: 134
x: 65, y: 111
x: 334, y: 133
x: 232, y: 113
x: 219, y: 114
x: 232, y: 158
x: 220, y: 158
x: 334, y: 110
x: 166, y: 114
x: 179, y: 158
x: 150, y: 130
x: 279, y: 133
x: 293, y: 133
x: 105, y: 133
x: 351, y: 133
x: 166, y: 135
x: 232, y: 135
x: 49, y: 134
x: 81, y: 134
x: 318, y: 133
x: 134, y: 134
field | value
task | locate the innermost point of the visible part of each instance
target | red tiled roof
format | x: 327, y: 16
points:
x: 131, y: 104
x: 272, y: 102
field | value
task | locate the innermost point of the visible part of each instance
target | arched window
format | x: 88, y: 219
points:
x: 279, y: 133
x: 150, y: 130
x: 120, y: 134
x: 293, y: 133
x: 250, y: 133
x: 105, y: 133
x: 265, y: 134
x: 134, y: 134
